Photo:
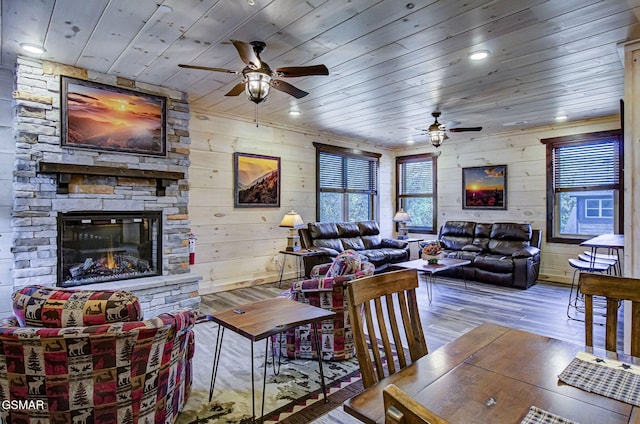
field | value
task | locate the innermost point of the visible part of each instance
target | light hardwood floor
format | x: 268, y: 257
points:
x: 455, y: 310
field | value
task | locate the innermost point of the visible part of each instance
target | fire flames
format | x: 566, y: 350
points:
x: 111, y: 261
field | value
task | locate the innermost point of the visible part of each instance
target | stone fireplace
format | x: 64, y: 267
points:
x: 109, y: 219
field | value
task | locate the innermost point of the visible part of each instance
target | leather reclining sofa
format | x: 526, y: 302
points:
x: 331, y: 238
x: 506, y: 254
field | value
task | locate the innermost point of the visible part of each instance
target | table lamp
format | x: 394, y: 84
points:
x: 292, y: 221
x: 401, y: 217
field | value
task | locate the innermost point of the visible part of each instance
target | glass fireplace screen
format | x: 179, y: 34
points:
x: 99, y: 247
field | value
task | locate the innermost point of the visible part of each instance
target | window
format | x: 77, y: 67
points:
x: 416, y: 191
x: 598, y: 208
x: 347, y: 183
x: 584, y: 186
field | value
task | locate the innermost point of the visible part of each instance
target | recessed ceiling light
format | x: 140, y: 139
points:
x: 32, y: 48
x: 295, y: 113
x: 164, y: 9
x: 410, y: 141
x: 479, y: 54
x: 561, y: 118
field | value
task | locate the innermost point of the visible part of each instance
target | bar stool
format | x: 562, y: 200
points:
x: 581, y: 266
x: 594, y: 260
x: 601, y: 257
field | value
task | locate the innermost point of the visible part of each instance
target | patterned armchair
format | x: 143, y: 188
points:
x: 326, y: 289
x: 80, y: 356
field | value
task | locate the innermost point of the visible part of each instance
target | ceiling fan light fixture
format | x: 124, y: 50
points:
x: 257, y: 86
x: 436, y: 131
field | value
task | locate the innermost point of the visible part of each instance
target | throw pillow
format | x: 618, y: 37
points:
x: 53, y: 307
x: 346, y: 263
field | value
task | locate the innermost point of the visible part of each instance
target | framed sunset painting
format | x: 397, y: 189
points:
x: 103, y: 117
x: 256, y: 181
x: 484, y: 187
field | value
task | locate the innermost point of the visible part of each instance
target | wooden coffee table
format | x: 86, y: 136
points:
x: 432, y: 269
x: 260, y: 320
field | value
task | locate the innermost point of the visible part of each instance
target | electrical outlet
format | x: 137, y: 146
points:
x: 276, y: 260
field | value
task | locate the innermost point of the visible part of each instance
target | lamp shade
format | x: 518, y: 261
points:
x: 292, y: 220
x: 257, y: 86
x: 401, y: 216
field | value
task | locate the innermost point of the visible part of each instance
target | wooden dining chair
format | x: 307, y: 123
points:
x: 400, y: 408
x: 614, y: 289
x: 384, y: 318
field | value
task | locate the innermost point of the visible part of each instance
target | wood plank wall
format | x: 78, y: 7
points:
x: 524, y: 156
x: 236, y: 247
x: 7, y: 156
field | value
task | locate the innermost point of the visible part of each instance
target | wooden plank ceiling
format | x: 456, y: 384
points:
x: 391, y: 62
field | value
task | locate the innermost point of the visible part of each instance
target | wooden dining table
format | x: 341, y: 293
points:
x: 494, y: 374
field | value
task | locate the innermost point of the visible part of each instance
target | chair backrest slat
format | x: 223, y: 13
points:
x: 402, y: 301
x: 614, y: 289
x: 385, y: 299
x: 384, y: 339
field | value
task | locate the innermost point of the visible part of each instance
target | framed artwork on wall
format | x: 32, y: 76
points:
x: 102, y: 117
x: 484, y: 187
x: 256, y: 181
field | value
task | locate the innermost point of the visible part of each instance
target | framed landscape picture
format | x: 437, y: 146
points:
x: 103, y: 117
x: 256, y: 181
x: 484, y: 187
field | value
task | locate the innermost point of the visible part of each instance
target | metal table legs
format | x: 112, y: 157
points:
x: 216, y: 363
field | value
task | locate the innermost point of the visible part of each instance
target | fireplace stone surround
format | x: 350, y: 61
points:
x: 50, y: 180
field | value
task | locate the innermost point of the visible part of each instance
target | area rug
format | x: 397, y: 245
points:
x: 289, y: 394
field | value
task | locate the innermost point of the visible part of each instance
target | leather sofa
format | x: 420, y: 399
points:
x: 331, y: 238
x: 502, y: 253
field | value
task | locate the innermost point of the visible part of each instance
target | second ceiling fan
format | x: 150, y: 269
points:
x: 437, y: 131
x: 258, y: 77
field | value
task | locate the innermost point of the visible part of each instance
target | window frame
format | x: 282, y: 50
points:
x: 345, y: 153
x: 424, y: 157
x: 577, y: 139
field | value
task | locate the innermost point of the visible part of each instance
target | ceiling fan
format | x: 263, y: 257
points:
x: 437, y: 131
x: 258, y: 77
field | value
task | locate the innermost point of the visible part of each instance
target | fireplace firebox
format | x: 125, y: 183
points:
x: 96, y: 247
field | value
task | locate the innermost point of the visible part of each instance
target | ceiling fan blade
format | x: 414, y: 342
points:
x: 302, y: 71
x: 248, y: 56
x: 236, y: 90
x: 206, y: 68
x: 288, y: 88
x: 451, y: 124
x: 464, y: 129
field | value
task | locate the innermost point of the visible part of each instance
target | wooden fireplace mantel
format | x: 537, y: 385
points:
x: 64, y: 171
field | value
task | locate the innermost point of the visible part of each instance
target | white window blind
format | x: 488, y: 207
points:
x: 592, y: 166
x: 345, y: 173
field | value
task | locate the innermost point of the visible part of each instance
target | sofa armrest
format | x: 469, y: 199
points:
x: 328, y: 251
x: 319, y: 284
x: 395, y: 244
x: 320, y: 269
x: 526, y: 252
